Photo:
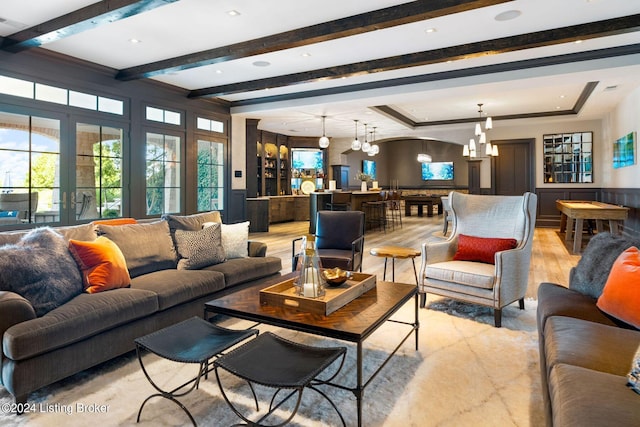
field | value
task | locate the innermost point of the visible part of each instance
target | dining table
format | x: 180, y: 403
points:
x: 574, y: 212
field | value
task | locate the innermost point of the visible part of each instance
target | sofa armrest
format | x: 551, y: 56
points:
x: 257, y: 249
x: 14, y: 309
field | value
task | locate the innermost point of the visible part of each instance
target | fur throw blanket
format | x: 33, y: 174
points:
x: 590, y: 274
x: 40, y: 269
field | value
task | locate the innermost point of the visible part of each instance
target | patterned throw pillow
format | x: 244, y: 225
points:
x: 481, y: 249
x: 198, y: 249
x: 633, y: 378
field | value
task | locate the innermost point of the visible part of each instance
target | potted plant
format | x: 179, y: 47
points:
x: 363, y: 178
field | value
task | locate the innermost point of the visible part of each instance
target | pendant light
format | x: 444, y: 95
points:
x: 472, y: 149
x: 365, y: 145
x: 356, y: 144
x: 323, y: 141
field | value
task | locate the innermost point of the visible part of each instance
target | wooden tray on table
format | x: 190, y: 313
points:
x: 283, y: 294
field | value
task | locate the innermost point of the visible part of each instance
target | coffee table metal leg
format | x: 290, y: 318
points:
x: 359, y: 391
x: 384, y: 274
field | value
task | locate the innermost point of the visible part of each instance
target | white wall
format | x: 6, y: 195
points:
x: 623, y: 120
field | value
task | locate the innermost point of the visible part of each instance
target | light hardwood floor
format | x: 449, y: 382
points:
x: 550, y: 262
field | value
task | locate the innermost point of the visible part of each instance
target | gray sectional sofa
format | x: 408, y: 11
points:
x: 585, y: 355
x: 92, y: 328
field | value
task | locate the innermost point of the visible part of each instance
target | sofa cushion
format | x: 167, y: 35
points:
x: 556, y: 300
x: 481, y: 249
x: 621, y: 294
x: 583, y: 397
x: 40, y: 269
x: 102, y: 264
x: 173, y: 287
x: 240, y: 270
x: 191, y: 222
x: 199, y: 248
x: 468, y: 273
x: 590, y: 345
x: 82, y: 317
x: 590, y: 274
x: 147, y: 247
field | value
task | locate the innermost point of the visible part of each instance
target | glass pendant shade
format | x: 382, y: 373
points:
x: 478, y: 129
x: 366, y: 146
x: 356, y: 145
x: 323, y: 141
x: 488, y: 149
x: 483, y: 138
x: 424, y: 158
x: 489, y: 124
x: 494, y: 150
x: 465, y: 151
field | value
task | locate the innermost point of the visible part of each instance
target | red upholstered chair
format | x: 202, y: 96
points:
x: 339, y: 240
x: 495, y: 285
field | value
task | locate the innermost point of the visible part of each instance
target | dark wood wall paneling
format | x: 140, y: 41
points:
x: 549, y: 216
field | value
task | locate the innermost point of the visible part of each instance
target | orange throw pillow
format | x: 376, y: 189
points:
x: 621, y: 294
x: 481, y: 249
x: 115, y: 221
x: 102, y: 264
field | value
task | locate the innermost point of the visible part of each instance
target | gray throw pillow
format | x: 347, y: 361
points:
x: 590, y: 274
x: 147, y: 247
x: 191, y: 222
x: 198, y: 249
x: 40, y: 269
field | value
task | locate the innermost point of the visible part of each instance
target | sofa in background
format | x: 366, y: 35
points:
x: 585, y: 353
x: 92, y: 328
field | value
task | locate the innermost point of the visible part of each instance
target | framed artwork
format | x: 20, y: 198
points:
x: 369, y: 168
x: 624, y: 151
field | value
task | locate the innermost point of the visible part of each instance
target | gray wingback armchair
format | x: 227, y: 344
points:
x: 481, y: 283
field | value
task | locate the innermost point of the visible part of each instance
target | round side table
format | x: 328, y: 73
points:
x: 394, y: 252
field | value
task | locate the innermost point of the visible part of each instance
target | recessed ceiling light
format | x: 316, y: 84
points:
x: 218, y: 71
x: 562, y: 96
x: 306, y: 54
x: 262, y: 63
x: 430, y: 30
x: 508, y: 15
x: 578, y: 41
x: 558, y: 107
x: 135, y: 41
x: 233, y: 13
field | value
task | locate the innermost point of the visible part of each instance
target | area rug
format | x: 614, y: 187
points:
x: 465, y: 373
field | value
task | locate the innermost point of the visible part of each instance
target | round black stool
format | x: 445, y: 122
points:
x: 275, y: 362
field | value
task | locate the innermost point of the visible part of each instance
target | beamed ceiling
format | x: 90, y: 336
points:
x: 404, y: 67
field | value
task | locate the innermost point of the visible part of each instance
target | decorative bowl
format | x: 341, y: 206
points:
x: 335, y: 276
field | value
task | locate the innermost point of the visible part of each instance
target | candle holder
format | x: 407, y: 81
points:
x: 310, y: 283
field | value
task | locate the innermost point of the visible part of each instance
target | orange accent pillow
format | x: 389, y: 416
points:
x: 481, y: 249
x: 102, y: 264
x: 621, y: 294
x: 115, y: 221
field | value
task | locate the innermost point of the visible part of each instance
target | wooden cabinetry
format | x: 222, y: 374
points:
x: 268, y: 156
x: 341, y: 176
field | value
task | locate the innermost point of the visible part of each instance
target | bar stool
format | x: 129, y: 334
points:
x: 340, y: 201
x: 191, y: 341
x: 272, y: 361
x: 375, y: 215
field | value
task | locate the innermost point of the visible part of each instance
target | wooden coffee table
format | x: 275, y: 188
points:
x: 354, y: 322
